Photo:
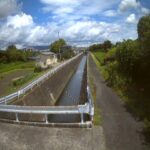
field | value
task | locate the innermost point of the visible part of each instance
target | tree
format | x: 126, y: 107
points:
x: 107, y: 44
x: 144, y: 42
x: 57, y: 45
x: 144, y: 33
x: 11, y: 53
x: 127, y: 54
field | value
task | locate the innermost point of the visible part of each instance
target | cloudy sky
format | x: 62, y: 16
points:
x: 79, y: 22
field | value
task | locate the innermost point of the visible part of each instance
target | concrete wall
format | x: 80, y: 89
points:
x: 49, y: 91
x: 83, y: 92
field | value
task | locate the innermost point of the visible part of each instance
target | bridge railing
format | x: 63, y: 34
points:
x: 44, y: 110
x: 91, y: 104
x: 9, y: 98
x: 87, y: 108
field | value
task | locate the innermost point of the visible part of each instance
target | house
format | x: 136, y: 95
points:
x: 46, y: 59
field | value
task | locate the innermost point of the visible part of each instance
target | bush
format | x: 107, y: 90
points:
x: 127, y: 55
x: 38, y: 69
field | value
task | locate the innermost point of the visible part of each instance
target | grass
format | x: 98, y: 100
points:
x: 97, y: 111
x: 98, y: 58
x: 6, y: 68
x: 22, y: 82
x: 10, y: 68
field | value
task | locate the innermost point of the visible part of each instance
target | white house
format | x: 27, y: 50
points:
x: 46, y: 59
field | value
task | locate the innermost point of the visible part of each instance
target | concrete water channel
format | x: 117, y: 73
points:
x: 71, y: 95
x: 73, y: 105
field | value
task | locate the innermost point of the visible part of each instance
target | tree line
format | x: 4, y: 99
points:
x: 12, y: 54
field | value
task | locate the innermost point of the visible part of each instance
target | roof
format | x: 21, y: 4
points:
x: 48, y: 53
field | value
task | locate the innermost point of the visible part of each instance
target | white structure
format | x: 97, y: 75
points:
x: 46, y: 59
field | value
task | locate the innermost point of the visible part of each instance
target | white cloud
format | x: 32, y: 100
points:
x: 19, y: 20
x: 8, y: 7
x: 81, y: 7
x: 75, y: 19
x: 145, y: 11
x: 110, y: 13
x: 128, y: 4
x: 131, y: 19
x: 60, y: 2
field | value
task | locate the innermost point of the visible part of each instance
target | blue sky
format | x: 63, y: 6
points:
x: 79, y: 22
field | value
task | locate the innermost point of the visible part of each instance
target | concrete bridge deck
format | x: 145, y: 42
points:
x: 16, y: 137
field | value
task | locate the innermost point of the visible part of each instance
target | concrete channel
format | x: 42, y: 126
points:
x: 67, y: 86
x: 71, y: 95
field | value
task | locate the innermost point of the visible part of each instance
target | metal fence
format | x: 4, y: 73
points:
x: 87, y: 108
x: 9, y: 98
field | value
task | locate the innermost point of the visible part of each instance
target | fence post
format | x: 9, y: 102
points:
x: 82, y: 118
x: 5, y: 101
x: 17, y: 119
x: 46, y: 118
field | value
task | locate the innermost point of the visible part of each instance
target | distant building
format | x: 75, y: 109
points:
x: 46, y: 59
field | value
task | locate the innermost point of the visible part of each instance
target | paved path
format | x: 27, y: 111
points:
x: 121, y: 130
x: 21, y: 137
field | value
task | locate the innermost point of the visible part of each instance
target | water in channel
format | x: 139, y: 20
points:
x: 71, y: 95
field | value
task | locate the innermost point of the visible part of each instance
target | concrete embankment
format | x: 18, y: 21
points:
x: 48, y: 92
x: 83, y: 92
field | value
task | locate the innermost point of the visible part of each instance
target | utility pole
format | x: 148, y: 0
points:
x: 59, y: 46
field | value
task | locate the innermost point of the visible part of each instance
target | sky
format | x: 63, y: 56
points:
x: 80, y: 22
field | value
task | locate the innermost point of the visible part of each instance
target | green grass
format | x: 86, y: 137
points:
x: 97, y: 111
x: 10, y: 68
x: 6, y: 68
x: 98, y: 58
x: 24, y: 81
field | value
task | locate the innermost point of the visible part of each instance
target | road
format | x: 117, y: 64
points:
x: 121, y: 130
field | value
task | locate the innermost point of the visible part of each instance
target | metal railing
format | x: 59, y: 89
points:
x: 8, y: 98
x: 87, y: 108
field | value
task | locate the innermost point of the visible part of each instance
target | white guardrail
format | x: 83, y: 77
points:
x: 87, y: 108
x: 8, y: 98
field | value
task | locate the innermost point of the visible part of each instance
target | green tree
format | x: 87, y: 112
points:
x: 144, y: 33
x: 57, y: 45
x: 11, y: 53
x: 144, y: 42
x: 127, y: 54
x: 107, y: 45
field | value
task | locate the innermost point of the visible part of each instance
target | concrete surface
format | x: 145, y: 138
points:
x: 48, y: 92
x: 20, y: 137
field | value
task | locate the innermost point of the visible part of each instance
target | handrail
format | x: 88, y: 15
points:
x: 8, y: 98
x: 90, y: 101
x: 46, y: 110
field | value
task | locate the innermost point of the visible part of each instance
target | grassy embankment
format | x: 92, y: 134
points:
x: 97, y: 111
x: 19, y: 81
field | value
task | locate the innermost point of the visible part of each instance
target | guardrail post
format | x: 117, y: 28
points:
x: 5, y: 101
x: 46, y: 118
x: 82, y: 118
x: 17, y: 119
